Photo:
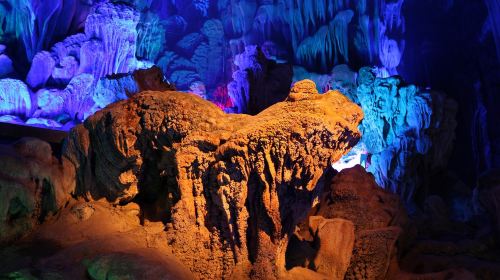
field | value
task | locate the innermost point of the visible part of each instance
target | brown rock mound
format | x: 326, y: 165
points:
x: 378, y: 219
x: 33, y: 186
x: 230, y: 187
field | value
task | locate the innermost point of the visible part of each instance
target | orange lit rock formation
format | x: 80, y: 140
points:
x: 230, y: 188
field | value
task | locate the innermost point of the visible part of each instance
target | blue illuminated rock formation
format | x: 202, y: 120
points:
x: 258, y: 82
x: 5, y: 63
x: 239, y: 89
x: 50, y: 103
x: 404, y: 129
x: 208, y: 58
x: 109, y: 90
x: 150, y: 37
x: 15, y: 98
x: 108, y: 46
x: 195, y: 42
x: 330, y: 41
x: 210, y: 48
x: 112, y: 36
x: 36, y: 24
x: 41, y: 70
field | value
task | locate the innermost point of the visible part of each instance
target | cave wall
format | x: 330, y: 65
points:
x: 61, y: 61
x: 455, y: 50
x: 65, y: 51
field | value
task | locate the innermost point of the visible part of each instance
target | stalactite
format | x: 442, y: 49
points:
x: 340, y: 29
x: 150, y: 37
x: 330, y: 41
x: 111, y: 31
x: 362, y: 40
x: 392, y: 14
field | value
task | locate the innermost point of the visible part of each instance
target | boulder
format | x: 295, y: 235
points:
x: 151, y: 79
x: 354, y: 195
x: 335, y: 238
x: 364, y: 224
x: 231, y: 188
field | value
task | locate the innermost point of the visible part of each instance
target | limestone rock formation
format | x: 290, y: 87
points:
x: 151, y: 79
x: 41, y: 69
x: 258, y: 82
x: 335, y: 243
x: 405, y: 129
x: 107, y: 47
x: 111, y: 36
x: 5, y: 63
x: 231, y: 188
x: 377, y: 218
x: 15, y: 98
x: 305, y: 86
x: 33, y: 185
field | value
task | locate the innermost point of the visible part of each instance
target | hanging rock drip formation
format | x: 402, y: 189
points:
x: 230, y: 187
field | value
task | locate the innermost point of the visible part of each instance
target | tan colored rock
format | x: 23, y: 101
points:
x: 378, y: 219
x: 305, y: 87
x: 372, y: 253
x: 300, y: 273
x: 354, y: 195
x: 336, y: 241
x: 151, y: 79
x: 231, y: 187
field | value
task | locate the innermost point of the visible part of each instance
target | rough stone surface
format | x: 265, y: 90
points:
x: 230, y: 187
x: 305, y: 86
x: 151, y: 79
x: 93, y: 239
x: 15, y: 98
x: 372, y: 253
x: 33, y: 185
x: 335, y: 243
x: 50, y: 102
x: 41, y: 69
x: 377, y: 218
x: 355, y: 196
